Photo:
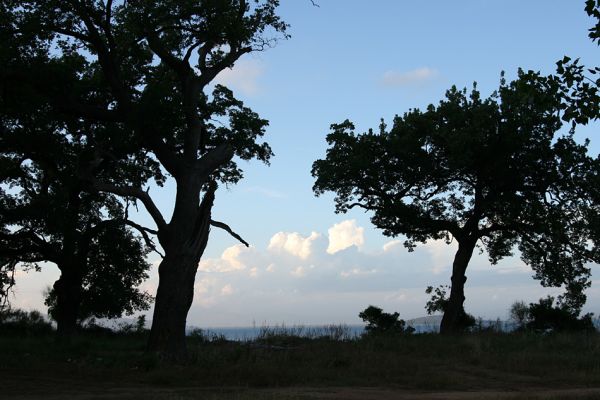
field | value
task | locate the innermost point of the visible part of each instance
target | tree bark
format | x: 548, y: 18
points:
x: 68, y: 301
x: 451, y: 321
x: 184, y: 245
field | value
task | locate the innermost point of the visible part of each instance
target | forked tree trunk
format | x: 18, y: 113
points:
x: 68, y: 301
x: 177, y: 273
x: 451, y: 321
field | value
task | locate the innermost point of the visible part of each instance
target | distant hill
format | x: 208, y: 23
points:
x: 433, y: 320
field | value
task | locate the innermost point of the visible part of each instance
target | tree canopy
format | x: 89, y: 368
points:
x: 488, y: 172
x: 141, y: 79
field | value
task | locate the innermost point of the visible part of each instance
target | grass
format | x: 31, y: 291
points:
x: 283, y: 359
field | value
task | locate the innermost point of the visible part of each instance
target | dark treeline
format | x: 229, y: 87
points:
x: 99, y: 99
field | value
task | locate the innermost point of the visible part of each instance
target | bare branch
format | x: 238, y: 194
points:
x: 226, y: 227
x: 138, y: 193
x: 144, y: 232
x: 190, y: 50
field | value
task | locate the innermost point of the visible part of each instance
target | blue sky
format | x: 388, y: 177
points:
x: 363, y: 61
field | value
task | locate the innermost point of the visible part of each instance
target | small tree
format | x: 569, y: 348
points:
x: 380, y: 322
x: 480, y: 172
x: 519, y: 314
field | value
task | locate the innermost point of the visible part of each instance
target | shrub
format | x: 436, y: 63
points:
x: 519, y: 314
x: 21, y: 322
x: 544, y: 316
x: 380, y: 322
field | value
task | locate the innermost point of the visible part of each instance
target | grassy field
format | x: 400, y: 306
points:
x: 281, y: 366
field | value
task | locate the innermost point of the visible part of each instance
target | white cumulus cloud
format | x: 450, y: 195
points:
x: 293, y: 243
x: 393, y: 78
x: 229, y: 260
x: 344, y: 235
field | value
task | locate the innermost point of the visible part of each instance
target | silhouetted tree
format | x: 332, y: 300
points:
x: 519, y: 314
x: 482, y: 172
x: 48, y: 154
x: 545, y: 315
x: 46, y: 216
x: 379, y: 322
x: 115, y: 268
x: 154, y: 62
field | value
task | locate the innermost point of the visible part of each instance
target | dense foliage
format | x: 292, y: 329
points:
x: 549, y: 316
x: 492, y: 173
x: 136, y: 80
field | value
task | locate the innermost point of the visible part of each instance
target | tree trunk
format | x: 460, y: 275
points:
x: 177, y: 272
x: 68, y: 300
x: 451, y: 322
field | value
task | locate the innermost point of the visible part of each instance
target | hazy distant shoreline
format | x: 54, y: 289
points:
x: 240, y: 333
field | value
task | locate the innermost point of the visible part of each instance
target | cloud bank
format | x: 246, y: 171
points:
x: 244, y: 76
x: 317, y: 278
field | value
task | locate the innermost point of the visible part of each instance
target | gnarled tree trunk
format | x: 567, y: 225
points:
x: 184, y: 245
x: 451, y: 322
x: 68, y: 301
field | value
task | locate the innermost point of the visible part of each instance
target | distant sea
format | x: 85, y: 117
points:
x: 429, y: 324
x: 244, y: 333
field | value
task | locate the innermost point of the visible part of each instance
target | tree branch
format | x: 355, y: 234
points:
x: 179, y: 66
x: 169, y: 160
x: 212, y: 160
x: 144, y: 232
x: 209, y: 73
x: 226, y: 227
x: 26, y: 247
x: 105, y: 55
x: 138, y: 193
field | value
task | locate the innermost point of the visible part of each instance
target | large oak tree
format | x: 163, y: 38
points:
x: 492, y: 173
x: 154, y: 64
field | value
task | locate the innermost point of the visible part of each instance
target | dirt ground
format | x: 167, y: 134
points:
x: 46, y: 391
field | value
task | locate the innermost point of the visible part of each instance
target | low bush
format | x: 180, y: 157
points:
x: 379, y: 322
x: 23, y: 323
